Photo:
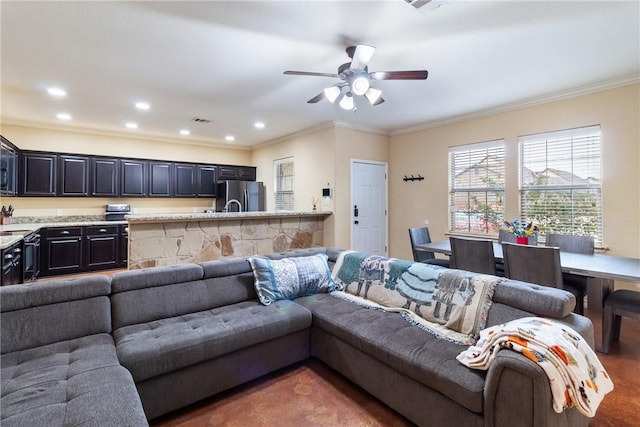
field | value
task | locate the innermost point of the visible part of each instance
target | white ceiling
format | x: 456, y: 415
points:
x: 223, y: 61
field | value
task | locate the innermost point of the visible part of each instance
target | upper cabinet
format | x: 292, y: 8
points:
x: 104, y: 177
x: 185, y: 180
x: 38, y: 174
x: 74, y: 175
x: 60, y: 174
x: 160, y: 184
x: 8, y: 168
x: 133, y: 178
x: 207, y: 180
x: 244, y: 173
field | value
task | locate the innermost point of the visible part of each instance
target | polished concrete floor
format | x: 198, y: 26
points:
x: 312, y: 394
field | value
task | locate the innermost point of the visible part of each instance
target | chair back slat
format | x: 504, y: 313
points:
x: 420, y: 236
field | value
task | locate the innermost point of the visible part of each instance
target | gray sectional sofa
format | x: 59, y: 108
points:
x: 119, y: 351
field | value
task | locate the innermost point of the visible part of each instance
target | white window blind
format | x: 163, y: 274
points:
x: 283, y: 174
x: 476, y: 187
x: 560, y: 182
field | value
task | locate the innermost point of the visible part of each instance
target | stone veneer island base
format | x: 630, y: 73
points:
x: 167, y: 239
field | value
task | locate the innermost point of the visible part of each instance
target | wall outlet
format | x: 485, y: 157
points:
x: 136, y: 210
x: 59, y: 212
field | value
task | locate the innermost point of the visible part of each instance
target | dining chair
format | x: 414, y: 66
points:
x: 538, y: 264
x: 623, y: 302
x: 575, y: 244
x: 504, y: 236
x: 420, y: 236
x: 533, y: 264
x: 472, y: 255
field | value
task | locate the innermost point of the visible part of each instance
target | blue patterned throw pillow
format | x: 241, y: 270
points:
x: 291, y: 277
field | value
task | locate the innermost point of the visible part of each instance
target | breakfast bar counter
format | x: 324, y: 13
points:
x: 167, y: 239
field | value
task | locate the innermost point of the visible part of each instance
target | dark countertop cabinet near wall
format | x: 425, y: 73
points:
x: 8, y: 168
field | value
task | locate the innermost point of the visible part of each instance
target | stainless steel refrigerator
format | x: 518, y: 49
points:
x: 249, y: 194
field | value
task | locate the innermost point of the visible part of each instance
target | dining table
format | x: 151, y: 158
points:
x: 601, y: 271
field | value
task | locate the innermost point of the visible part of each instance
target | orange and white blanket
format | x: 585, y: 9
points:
x: 576, y: 376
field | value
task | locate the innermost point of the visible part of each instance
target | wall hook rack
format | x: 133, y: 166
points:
x: 413, y: 178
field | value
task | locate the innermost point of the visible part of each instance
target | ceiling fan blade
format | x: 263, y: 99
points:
x: 399, y: 75
x: 310, y: 73
x: 379, y: 101
x: 319, y: 97
x: 361, y: 57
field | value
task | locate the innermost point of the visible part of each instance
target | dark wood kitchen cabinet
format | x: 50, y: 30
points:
x: 101, y: 247
x: 38, y: 174
x: 185, y: 180
x: 74, y: 176
x: 246, y: 173
x: 11, y: 260
x: 104, y: 177
x: 123, y: 242
x: 243, y: 173
x: 207, y: 181
x: 160, y: 179
x: 133, y: 178
x: 63, y: 251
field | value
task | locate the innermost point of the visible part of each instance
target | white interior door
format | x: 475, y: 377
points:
x: 369, y: 207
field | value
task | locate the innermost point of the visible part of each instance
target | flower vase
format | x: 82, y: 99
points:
x: 522, y: 240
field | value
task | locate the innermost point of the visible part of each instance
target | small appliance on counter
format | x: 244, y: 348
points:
x: 117, y: 212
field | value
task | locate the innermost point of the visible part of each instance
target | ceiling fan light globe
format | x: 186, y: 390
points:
x: 360, y: 85
x: 347, y: 102
x: 373, y: 95
x: 332, y: 93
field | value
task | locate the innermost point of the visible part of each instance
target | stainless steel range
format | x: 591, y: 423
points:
x: 117, y: 212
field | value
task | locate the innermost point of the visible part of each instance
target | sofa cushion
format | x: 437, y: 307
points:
x: 69, y: 383
x: 408, y: 349
x: 166, y: 345
x: 288, y: 278
x: 47, y: 312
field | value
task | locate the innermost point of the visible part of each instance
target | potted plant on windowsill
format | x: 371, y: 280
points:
x: 525, y: 234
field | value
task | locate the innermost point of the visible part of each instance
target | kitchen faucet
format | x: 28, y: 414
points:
x: 232, y: 201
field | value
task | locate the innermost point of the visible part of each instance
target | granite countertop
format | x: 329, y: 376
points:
x: 222, y: 216
x: 6, y: 241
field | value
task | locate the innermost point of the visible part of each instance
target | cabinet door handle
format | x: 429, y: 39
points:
x: 65, y: 232
x: 103, y: 230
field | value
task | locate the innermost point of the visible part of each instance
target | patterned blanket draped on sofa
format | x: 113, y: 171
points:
x: 452, y: 304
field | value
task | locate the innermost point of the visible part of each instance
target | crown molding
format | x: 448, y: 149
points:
x: 531, y: 102
x: 117, y: 134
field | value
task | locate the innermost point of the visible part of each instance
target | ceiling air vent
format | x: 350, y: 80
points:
x: 430, y: 4
x: 200, y: 120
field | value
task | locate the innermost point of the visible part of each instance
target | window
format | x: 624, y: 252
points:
x: 560, y: 187
x: 283, y: 173
x: 476, y: 184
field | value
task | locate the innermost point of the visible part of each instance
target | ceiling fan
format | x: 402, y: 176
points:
x: 356, y: 78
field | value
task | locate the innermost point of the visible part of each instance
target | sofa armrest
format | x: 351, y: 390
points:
x: 517, y: 393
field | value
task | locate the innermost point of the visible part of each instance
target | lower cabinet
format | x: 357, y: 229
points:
x: 68, y: 250
x: 63, y: 251
x: 101, y: 247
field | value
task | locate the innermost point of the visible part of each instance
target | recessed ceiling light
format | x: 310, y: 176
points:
x: 230, y: 138
x: 63, y: 116
x: 142, y: 105
x: 58, y: 92
x: 259, y: 125
x: 185, y: 132
x: 132, y: 125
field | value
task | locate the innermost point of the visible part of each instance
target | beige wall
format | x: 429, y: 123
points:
x: 425, y: 152
x: 322, y: 158
x: 31, y: 138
